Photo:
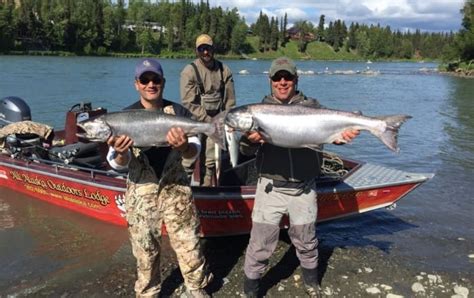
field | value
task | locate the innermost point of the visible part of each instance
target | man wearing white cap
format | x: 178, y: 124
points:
x: 207, y: 88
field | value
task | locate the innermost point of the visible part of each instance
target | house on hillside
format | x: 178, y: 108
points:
x: 295, y: 34
x: 155, y: 27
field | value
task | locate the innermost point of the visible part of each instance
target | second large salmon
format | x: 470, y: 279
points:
x: 299, y: 126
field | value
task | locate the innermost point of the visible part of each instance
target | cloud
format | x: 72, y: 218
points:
x: 426, y: 15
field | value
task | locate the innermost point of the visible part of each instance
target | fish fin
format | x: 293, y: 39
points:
x: 218, y: 136
x: 232, y: 138
x: 390, y: 136
x: 218, y: 161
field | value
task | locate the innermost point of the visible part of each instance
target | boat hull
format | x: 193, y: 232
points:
x: 223, y: 211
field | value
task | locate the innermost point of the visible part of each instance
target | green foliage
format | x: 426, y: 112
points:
x: 465, y: 39
x: 238, y: 43
x: 7, y: 29
x: 459, y: 51
x: 169, y: 28
x: 322, y: 51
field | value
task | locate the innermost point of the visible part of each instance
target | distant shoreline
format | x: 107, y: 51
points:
x: 458, y: 72
x: 185, y: 55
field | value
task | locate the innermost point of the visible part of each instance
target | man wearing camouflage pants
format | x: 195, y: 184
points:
x: 158, y: 192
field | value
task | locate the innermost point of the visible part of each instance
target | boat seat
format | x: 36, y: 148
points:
x: 25, y: 145
x: 81, y: 154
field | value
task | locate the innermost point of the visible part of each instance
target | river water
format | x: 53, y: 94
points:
x: 431, y: 229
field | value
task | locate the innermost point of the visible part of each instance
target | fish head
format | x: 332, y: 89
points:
x: 240, y: 119
x: 95, y: 130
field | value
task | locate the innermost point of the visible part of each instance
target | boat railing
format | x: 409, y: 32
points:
x: 93, y: 172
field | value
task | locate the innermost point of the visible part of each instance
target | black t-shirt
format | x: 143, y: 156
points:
x: 157, y: 155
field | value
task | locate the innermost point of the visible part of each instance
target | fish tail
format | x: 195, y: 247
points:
x: 390, y: 135
x: 218, y: 134
x: 232, y: 138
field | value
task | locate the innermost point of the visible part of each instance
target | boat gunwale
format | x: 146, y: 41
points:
x: 111, y: 180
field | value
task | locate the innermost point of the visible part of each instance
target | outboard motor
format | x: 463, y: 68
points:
x: 19, y: 145
x: 13, y: 109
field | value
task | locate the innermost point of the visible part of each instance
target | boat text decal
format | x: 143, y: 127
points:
x: 43, y: 186
x: 220, y: 214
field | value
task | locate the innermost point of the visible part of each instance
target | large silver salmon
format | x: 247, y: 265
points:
x: 298, y: 126
x: 148, y: 128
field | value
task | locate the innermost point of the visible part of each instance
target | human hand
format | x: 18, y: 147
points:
x: 347, y: 136
x: 255, y: 137
x: 120, y: 144
x: 177, y: 139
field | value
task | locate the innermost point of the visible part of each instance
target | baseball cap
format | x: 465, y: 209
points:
x: 282, y: 63
x: 148, y: 64
x: 203, y: 39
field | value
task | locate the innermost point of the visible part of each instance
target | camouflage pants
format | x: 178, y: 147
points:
x: 148, y: 206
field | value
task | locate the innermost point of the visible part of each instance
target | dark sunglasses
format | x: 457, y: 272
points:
x: 286, y: 76
x: 204, y: 48
x: 155, y: 79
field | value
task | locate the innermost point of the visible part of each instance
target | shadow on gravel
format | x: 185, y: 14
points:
x: 357, y: 232
x: 283, y: 269
x: 222, y: 254
x: 225, y: 253
x: 352, y: 232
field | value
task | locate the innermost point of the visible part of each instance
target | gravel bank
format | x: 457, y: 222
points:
x: 345, y: 272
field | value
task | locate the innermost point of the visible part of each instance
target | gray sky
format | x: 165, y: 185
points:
x: 426, y: 15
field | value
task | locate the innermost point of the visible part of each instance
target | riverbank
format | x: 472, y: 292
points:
x: 458, y: 69
x: 345, y: 271
x: 314, y: 51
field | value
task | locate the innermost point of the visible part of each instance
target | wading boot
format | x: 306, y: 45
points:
x: 251, y: 287
x: 311, y: 283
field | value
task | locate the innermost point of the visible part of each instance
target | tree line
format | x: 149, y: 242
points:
x: 100, y: 27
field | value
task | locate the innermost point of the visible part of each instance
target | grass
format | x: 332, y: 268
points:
x: 314, y: 51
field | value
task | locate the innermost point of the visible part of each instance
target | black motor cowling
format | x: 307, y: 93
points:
x: 13, y: 109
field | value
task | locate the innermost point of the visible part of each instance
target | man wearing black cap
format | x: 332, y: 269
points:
x: 207, y: 88
x: 158, y: 192
x: 286, y: 185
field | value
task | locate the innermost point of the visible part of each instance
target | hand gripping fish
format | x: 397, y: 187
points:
x: 299, y: 126
x: 148, y: 128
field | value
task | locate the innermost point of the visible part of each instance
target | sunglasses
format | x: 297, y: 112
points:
x: 286, y: 76
x: 155, y: 79
x: 204, y: 48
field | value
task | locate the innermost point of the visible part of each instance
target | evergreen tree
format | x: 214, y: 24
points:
x: 465, y: 40
x: 98, y: 26
x: 238, y: 37
x: 321, y: 31
x: 283, y: 31
x: 330, y: 34
x: 7, y: 28
x: 274, y: 34
x: 205, y: 17
x: 303, y: 28
x: 352, y: 40
x: 363, y: 42
x: 30, y: 26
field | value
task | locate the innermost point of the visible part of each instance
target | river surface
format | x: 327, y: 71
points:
x: 432, y: 229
